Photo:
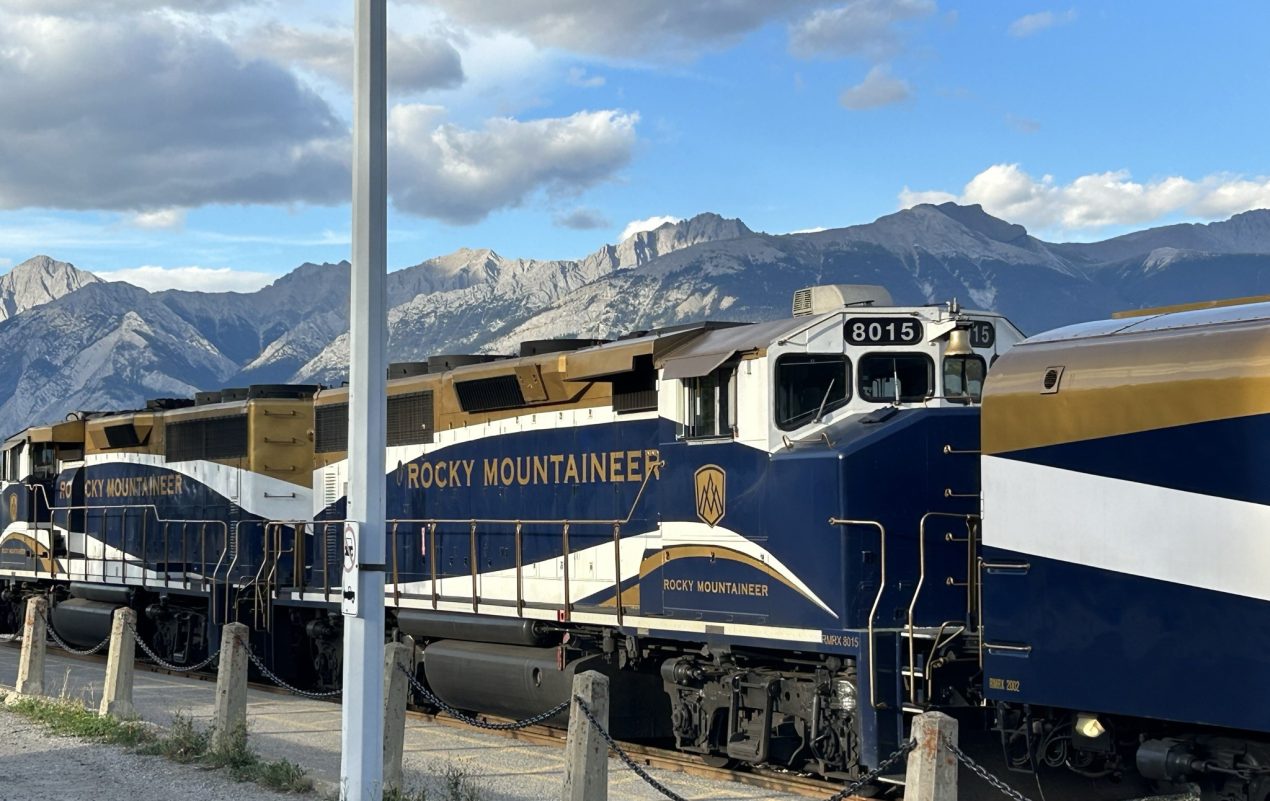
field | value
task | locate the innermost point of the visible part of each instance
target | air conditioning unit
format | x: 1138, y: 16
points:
x: 832, y: 297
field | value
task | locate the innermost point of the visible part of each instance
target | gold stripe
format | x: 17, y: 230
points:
x: 46, y: 562
x: 656, y: 560
x: 1125, y: 384
x: 1181, y: 307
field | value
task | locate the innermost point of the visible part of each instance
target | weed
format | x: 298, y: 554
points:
x: 418, y: 794
x: 245, y: 765
x: 459, y: 786
x: 183, y: 742
x: 72, y: 719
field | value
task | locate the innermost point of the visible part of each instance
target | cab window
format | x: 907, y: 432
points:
x: 43, y: 464
x: 896, y: 377
x: 711, y: 404
x: 808, y: 386
x: 963, y: 378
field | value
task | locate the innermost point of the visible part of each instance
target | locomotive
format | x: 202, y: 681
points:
x: 771, y: 537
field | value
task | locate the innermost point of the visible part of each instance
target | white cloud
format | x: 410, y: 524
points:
x: 145, y: 112
x: 196, y: 279
x: 161, y: 219
x: 416, y: 63
x: 6, y: 263
x: 627, y: 29
x: 1099, y: 200
x: 578, y: 77
x: 460, y: 175
x: 861, y: 28
x: 810, y: 230
x: 650, y: 224
x: 103, y: 8
x: 879, y: 88
x: 1035, y: 23
x: 581, y: 219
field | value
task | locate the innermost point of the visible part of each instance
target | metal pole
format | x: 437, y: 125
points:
x: 361, y: 769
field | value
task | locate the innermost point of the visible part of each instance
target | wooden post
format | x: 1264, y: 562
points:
x: 116, y: 700
x: 397, y: 656
x: 31, y: 662
x: 586, y: 754
x: 231, y: 687
x: 932, y: 768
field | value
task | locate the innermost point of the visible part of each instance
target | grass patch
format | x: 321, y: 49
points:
x: 72, y: 719
x: 233, y: 754
x: 182, y: 742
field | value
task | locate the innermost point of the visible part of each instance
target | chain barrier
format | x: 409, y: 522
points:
x: 163, y: 663
x: 982, y: 772
x: 65, y: 646
x: 273, y: 677
x: 639, y: 771
x: 541, y: 717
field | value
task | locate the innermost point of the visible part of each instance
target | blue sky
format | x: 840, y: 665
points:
x: 204, y: 143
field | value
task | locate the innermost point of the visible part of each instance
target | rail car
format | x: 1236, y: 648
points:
x: 1125, y: 553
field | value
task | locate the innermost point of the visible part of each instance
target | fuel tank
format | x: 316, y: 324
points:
x: 82, y: 622
x: 518, y: 682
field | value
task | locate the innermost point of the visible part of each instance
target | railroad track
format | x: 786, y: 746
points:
x: 646, y: 755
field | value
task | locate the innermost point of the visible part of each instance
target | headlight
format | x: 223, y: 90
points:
x: 844, y: 694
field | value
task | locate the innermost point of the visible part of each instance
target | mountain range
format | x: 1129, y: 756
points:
x: 79, y: 343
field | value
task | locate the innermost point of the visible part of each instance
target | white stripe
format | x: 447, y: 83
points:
x: 1140, y: 529
x: 260, y: 495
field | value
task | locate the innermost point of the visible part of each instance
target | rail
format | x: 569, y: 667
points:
x: 877, y: 599
x: 515, y: 527
x: 970, y: 539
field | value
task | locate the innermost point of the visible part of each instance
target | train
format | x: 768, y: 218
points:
x: 780, y: 541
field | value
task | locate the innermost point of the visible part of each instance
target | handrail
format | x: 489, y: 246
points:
x: 921, y: 579
x: 124, y: 508
x: 877, y: 599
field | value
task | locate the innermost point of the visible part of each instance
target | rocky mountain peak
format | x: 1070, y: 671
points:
x: 644, y: 246
x: 37, y: 281
x: 980, y: 221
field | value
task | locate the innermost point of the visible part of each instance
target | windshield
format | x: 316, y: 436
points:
x: 808, y: 386
x: 896, y: 377
x: 963, y: 378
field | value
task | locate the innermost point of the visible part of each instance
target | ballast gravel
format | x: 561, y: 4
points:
x: 38, y: 766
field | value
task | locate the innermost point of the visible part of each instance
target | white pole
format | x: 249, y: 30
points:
x: 361, y: 769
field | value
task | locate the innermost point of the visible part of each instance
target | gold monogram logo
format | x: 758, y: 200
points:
x: 711, y: 491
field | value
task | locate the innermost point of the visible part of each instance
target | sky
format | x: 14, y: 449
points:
x: 205, y: 144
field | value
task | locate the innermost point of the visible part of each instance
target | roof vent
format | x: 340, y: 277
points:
x: 538, y: 347
x: 443, y: 363
x: 832, y: 297
x: 407, y: 369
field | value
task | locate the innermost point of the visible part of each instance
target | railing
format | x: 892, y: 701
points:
x: 428, y: 530
x: 877, y: 599
x: 972, y: 522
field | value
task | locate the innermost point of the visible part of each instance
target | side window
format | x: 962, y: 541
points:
x: 891, y: 377
x: 711, y: 404
x: 43, y: 465
x: 963, y: 378
x: 809, y: 385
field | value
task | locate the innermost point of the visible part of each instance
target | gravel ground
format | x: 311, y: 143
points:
x: 37, y: 766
